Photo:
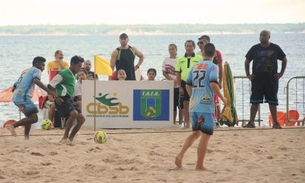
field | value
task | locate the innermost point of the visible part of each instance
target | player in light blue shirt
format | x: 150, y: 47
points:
x: 199, y: 78
x: 24, y: 87
x: 202, y: 85
x: 23, y: 92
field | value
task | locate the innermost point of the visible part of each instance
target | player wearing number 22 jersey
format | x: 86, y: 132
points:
x: 202, y: 99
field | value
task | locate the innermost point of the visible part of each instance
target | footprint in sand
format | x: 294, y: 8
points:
x: 46, y: 164
x: 36, y: 154
x: 53, y: 153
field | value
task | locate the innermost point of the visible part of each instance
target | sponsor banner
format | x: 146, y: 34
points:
x: 127, y: 104
x: 152, y: 104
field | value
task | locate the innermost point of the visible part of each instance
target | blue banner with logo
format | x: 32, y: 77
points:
x: 151, y: 105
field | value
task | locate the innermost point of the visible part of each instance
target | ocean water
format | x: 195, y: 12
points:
x: 17, y: 53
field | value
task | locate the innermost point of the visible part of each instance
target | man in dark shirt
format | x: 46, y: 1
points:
x: 265, y: 76
x: 123, y: 58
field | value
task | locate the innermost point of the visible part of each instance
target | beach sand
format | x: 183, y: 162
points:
x: 147, y: 155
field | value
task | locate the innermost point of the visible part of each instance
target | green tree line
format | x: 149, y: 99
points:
x: 105, y: 29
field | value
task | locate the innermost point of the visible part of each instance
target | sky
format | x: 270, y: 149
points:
x: 58, y: 12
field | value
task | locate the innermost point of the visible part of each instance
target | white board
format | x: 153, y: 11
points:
x: 128, y: 104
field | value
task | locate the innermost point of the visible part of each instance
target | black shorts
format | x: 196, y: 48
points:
x: 264, y: 88
x: 178, y: 100
x: 186, y: 96
x: 66, y: 107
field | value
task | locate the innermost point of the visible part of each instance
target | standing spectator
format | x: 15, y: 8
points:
x: 168, y: 69
x: 202, y: 84
x: 264, y: 77
x: 202, y: 41
x: 183, y: 66
x: 123, y: 58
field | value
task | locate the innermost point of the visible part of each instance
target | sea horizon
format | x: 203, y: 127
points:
x: 18, y: 52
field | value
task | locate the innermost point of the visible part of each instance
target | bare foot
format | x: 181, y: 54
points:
x: 187, y: 125
x: 185, y: 128
x: 176, y: 168
x: 66, y: 141
x: 178, y: 161
x: 70, y: 143
x: 202, y: 169
x: 11, y: 129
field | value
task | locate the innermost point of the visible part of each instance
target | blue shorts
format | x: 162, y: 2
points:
x: 27, y: 108
x: 203, y: 122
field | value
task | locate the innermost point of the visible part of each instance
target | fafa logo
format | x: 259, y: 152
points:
x: 151, y: 105
x: 107, y: 106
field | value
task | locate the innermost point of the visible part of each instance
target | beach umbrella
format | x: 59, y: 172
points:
x: 228, y: 114
x: 6, y: 95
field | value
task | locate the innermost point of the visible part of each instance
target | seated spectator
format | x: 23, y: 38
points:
x: 121, y: 75
x: 139, y: 76
x: 91, y: 75
x: 151, y: 74
x: 82, y: 75
x: 58, y: 64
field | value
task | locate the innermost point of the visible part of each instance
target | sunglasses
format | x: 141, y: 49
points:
x: 200, y: 42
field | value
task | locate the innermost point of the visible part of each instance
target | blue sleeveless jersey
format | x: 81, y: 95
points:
x: 200, y: 76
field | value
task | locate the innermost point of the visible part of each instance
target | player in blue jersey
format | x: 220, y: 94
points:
x: 23, y: 92
x: 202, y: 85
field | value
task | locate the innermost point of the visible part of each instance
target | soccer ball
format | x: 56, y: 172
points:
x: 46, y: 124
x: 100, y: 137
x: 151, y: 112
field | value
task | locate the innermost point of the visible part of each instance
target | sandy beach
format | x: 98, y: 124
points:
x: 147, y: 155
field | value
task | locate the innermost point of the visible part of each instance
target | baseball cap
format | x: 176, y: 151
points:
x: 123, y: 35
x: 204, y: 37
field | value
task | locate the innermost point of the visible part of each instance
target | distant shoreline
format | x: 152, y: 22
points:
x: 146, y: 34
x: 148, y: 29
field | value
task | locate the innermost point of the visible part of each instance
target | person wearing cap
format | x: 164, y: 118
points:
x: 123, y: 57
x: 202, y: 41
